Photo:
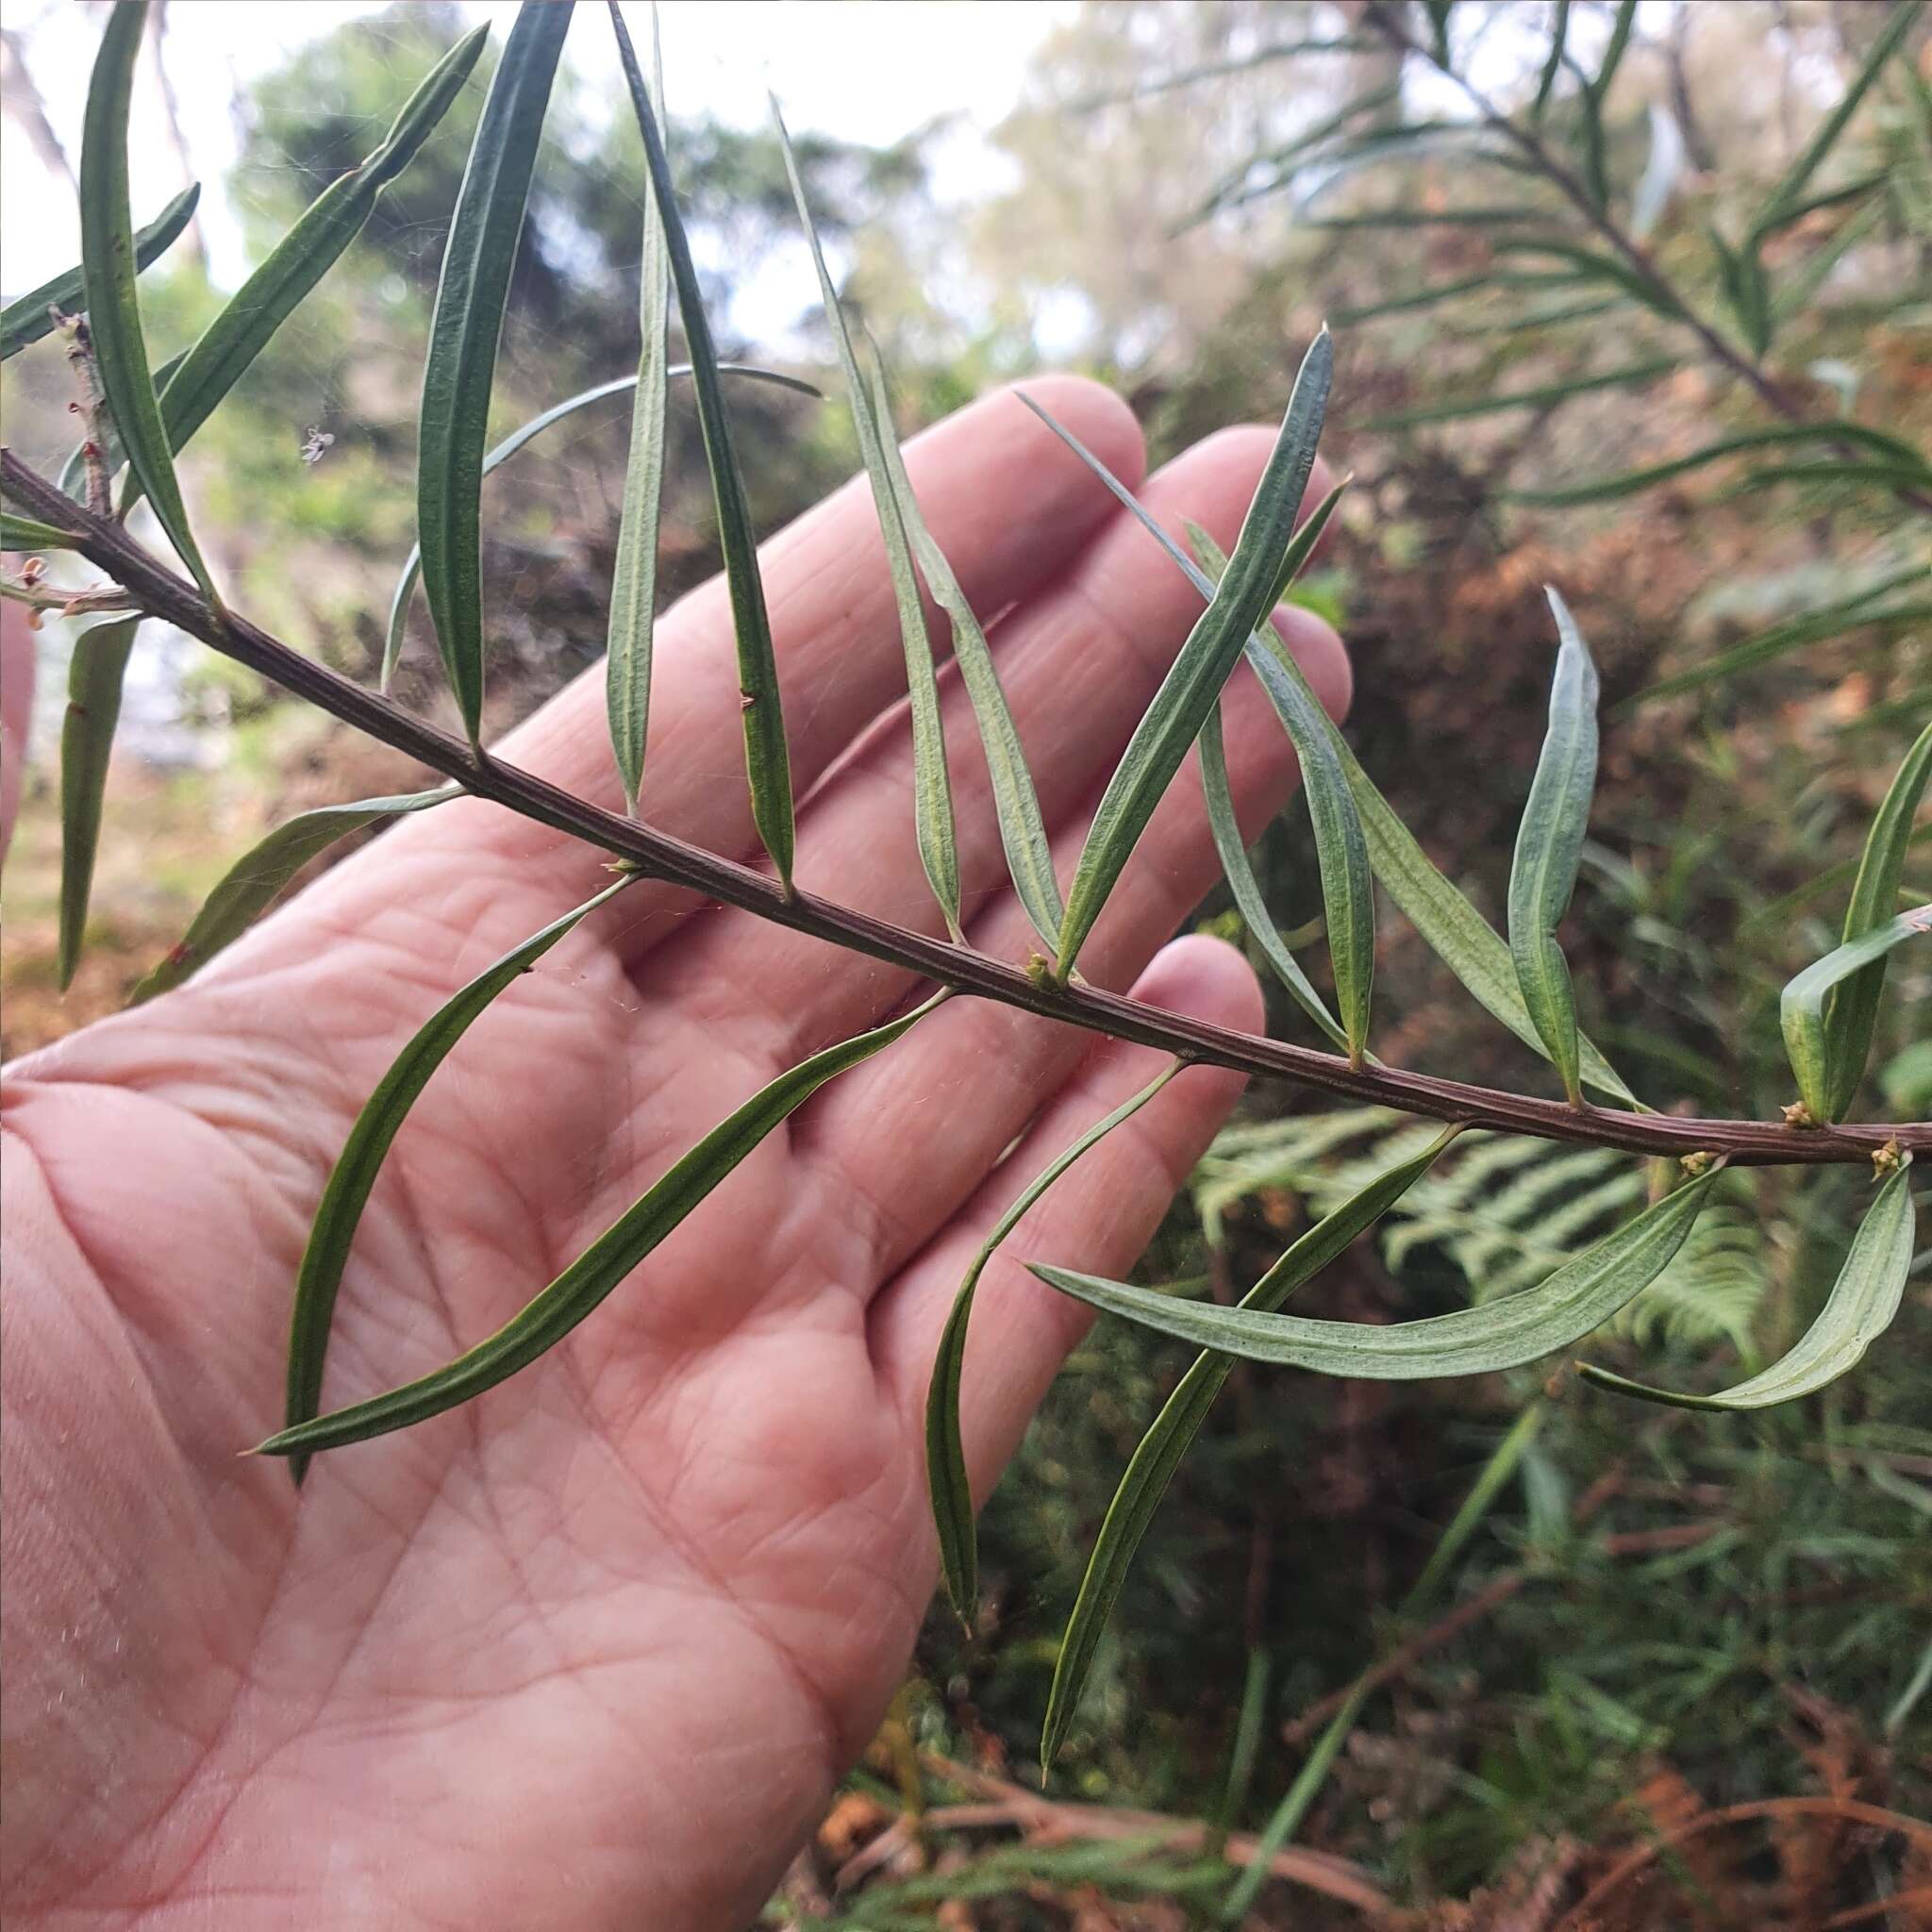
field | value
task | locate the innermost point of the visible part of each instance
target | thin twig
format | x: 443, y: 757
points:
x: 93, y: 409
x: 1747, y: 1143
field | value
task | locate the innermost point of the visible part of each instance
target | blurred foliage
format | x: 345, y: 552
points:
x: 1662, y: 1615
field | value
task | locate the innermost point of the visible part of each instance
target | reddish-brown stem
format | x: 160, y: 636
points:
x: 157, y: 589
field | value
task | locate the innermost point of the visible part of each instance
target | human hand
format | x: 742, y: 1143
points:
x: 592, y: 1650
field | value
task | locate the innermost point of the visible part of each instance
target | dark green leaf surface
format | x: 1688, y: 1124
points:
x: 1174, y: 720
x: 242, y: 329
x: 767, y: 757
x: 872, y: 421
x: 1580, y: 1296
x: 86, y: 740
x: 1463, y: 939
x: 412, y: 567
x: 1862, y: 1304
x: 1801, y: 1009
x: 1179, y: 1421
x: 108, y: 268
x: 25, y: 533
x: 1348, y: 898
x: 1547, y: 396
x: 252, y: 883
x: 461, y: 365
x: 1553, y: 61
x: 1549, y: 846
x: 1851, y: 1012
x: 347, y: 1193
x: 634, y: 580
x: 1247, y: 889
x: 945, y: 1451
x: 603, y: 1265
x: 28, y: 319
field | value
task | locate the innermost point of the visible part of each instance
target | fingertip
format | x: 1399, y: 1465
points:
x: 1203, y: 978
x: 1324, y: 658
x: 1099, y: 416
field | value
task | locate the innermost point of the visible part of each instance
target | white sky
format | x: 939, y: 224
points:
x: 867, y: 71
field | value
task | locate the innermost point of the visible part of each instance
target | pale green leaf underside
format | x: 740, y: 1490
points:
x: 1802, y: 1007
x: 1862, y: 1304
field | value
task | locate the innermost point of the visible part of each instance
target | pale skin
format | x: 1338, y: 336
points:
x: 592, y: 1651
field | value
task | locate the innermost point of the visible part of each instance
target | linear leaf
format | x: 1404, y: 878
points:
x: 1661, y: 172
x: 1174, y: 720
x: 19, y: 533
x: 87, y: 739
x: 1596, y: 267
x: 1891, y: 38
x: 634, y: 579
x: 1549, y: 845
x: 237, y: 335
x: 26, y: 320
x: 107, y: 267
x: 412, y: 567
x: 603, y: 1265
x: 1794, y: 294
x: 1853, y: 1010
x: 1808, y: 1044
x: 932, y: 798
x: 1016, y: 805
x: 1860, y: 1307
x: 1553, y: 61
x: 460, y: 368
x: 347, y: 1193
x: 1562, y: 1309
x: 767, y: 757
x: 252, y: 883
x: 1246, y: 888
x: 945, y: 1450
x: 1628, y: 483
x: 1154, y: 1462
x: 1829, y: 620
x: 1348, y: 897
x: 1478, y: 216
x: 1463, y: 939
x: 1544, y: 397
x: 1237, y: 187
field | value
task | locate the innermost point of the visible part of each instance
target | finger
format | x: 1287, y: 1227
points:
x: 1098, y: 1216
x: 906, y: 1144
x: 1008, y: 515
x: 1080, y: 666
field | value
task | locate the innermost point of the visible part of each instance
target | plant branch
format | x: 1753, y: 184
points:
x: 1537, y: 151
x: 161, y: 592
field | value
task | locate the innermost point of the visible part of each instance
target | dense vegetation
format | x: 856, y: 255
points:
x: 1637, y: 312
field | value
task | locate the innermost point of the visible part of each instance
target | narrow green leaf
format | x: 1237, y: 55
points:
x: 1549, y: 845
x: 634, y: 581
x: 412, y: 567
x: 1544, y: 397
x: 1477, y: 216
x: 1174, y: 720
x: 1862, y: 1305
x: 1464, y: 940
x: 347, y: 1193
x: 1348, y: 898
x: 1613, y: 52
x: 1829, y: 620
x: 1797, y: 288
x: 1247, y: 889
x: 945, y: 1450
x: 1238, y: 187
x: 253, y: 881
x: 1808, y: 1044
x: 1591, y: 266
x: 87, y: 739
x: 932, y: 798
x: 603, y: 1265
x: 19, y: 533
x: 108, y: 268
x: 26, y: 320
x: 1016, y: 805
x: 767, y: 757
x: 1553, y: 61
x: 1566, y: 1305
x: 1604, y: 489
x: 239, y: 333
x: 460, y: 368
x: 1154, y: 1462
x: 1852, y: 1012
x: 1891, y: 38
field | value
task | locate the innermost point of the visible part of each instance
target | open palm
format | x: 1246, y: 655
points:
x: 592, y: 1649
